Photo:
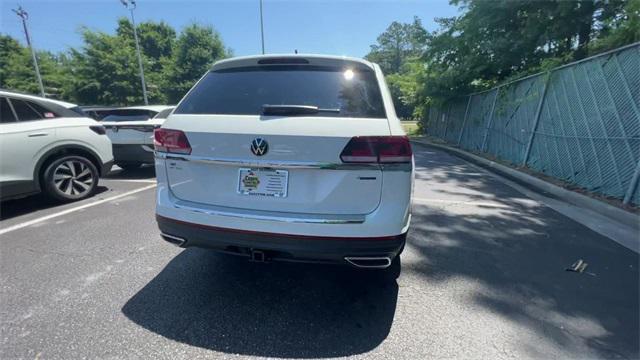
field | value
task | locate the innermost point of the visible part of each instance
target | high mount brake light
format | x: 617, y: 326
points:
x: 171, y: 141
x: 377, y: 149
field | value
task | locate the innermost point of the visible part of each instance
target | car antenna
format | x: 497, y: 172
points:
x: 295, y: 51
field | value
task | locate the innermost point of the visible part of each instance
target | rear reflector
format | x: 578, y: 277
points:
x: 172, y: 141
x: 377, y: 149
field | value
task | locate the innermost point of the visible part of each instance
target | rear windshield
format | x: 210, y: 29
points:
x: 244, y: 91
x: 127, y: 115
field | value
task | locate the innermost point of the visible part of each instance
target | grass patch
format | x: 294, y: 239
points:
x: 411, y: 127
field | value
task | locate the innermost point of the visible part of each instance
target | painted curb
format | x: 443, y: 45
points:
x: 540, y: 185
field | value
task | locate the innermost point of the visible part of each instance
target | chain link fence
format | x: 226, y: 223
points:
x: 579, y: 122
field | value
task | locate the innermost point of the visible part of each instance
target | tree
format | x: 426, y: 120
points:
x: 196, y: 49
x: 397, y: 44
x: 9, y: 48
x: 495, y: 41
x: 17, y: 71
x: 105, y: 71
x: 618, y: 26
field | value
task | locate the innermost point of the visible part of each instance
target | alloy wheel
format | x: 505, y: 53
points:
x: 73, y: 177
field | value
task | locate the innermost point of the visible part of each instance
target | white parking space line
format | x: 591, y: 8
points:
x: 145, y: 181
x: 77, y: 208
x: 462, y: 202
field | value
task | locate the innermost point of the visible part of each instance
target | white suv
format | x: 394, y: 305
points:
x: 49, y: 146
x: 130, y: 130
x: 295, y: 157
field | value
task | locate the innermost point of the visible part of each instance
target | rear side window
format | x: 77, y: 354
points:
x: 27, y: 110
x: 24, y: 111
x: 6, y: 115
x: 244, y: 91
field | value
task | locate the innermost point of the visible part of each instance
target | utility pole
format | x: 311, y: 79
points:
x: 261, y: 27
x: 24, y: 16
x: 131, y: 5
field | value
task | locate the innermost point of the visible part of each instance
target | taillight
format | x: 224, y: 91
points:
x: 98, y: 129
x: 172, y: 141
x: 377, y: 149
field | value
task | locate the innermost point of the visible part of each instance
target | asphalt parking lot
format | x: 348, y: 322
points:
x: 483, y: 276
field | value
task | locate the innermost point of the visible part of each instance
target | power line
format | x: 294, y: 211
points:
x: 24, y: 16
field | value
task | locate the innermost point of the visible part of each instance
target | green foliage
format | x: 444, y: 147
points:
x: 397, y: 44
x: 619, y: 29
x: 17, y: 71
x: 497, y: 41
x: 404, y: 88
x: 396, y: 52
x: 195, y: 51
x: 493, y: 42
x: 9, y: 48
x: 105, y: 70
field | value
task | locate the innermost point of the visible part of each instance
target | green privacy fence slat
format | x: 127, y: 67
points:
x: 579, y: 123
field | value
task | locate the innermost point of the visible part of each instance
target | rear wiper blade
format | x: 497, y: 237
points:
x: 294, y: 110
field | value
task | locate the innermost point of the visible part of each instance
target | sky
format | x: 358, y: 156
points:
x: 327, y: 27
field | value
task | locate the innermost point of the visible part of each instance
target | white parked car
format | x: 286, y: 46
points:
x: 296, y: 157
x: 131, y: 132
x: 49, y: 146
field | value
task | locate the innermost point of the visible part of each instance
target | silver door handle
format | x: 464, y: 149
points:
x: 38, y: 134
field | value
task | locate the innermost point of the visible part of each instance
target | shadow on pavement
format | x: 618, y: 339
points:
x: 519, y: 251
x: 226, y: 304
x: 144, y: 172
x: 12, y: 208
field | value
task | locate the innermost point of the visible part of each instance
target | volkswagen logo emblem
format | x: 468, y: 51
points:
x: 259, y: 146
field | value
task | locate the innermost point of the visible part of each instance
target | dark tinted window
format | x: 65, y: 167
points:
x: 244, y: 91
x: 6, y: 115
x: 127, y: 115
x: 164, y: 113
x: 46, y: 113
x: 78, y: 110
x: 28, y: 111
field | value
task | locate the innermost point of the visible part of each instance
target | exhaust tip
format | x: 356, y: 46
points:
x: 175, y: 240
x: 369, y: 262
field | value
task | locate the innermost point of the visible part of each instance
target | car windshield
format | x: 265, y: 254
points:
x: 246, y: 91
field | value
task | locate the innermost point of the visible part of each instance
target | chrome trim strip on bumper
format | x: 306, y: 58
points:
x: 361, y: 261
x: 269, y: 215
x: 175, y: 240
x: 284, y: 164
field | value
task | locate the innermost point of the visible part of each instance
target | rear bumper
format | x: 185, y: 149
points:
x: 278, y: 246
x: 132, y: 153
x: 106, y: 168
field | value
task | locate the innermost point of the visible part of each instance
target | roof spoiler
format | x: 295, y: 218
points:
x: 283, y: 61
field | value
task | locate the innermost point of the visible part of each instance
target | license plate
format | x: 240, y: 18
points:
x: 263, y: 182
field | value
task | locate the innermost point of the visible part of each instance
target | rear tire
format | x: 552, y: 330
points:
x: 70, y: 178
x: 129, y: 166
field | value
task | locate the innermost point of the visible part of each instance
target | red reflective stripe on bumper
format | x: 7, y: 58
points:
x: 261, y: 233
